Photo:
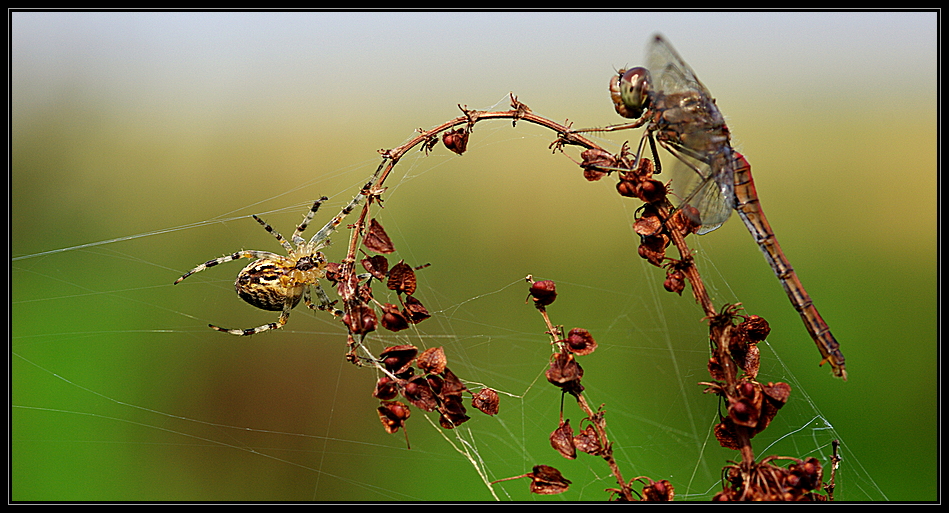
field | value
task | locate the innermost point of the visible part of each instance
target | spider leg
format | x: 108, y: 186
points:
x: 297, y: 239
x: 317, y: 240
x: 325, y: 304
x: 283, y: 242
x: 284, y: 316
x: 228, y: 258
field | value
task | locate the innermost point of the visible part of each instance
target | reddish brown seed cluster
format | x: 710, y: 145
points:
x: 433, y: 388
x: 361, y: 317
x: 765, y: 481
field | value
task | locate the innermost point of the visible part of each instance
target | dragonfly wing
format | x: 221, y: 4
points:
x: 710, y: 193
x: 670, y: 74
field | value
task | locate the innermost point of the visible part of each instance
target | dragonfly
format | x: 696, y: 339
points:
x: 680, y: 114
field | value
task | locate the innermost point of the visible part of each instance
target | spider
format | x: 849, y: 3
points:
x: 277, y: 283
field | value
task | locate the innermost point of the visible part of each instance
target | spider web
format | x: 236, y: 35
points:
x: 120, y: 392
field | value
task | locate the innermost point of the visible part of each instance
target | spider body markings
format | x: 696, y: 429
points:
x: 277, y: 283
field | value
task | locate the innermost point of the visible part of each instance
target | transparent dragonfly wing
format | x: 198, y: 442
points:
x: 694, y: 184
x: 670, y: 74
x: 693, y: 130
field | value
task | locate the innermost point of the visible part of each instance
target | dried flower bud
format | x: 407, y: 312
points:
x: 543, y: 292
x: 580, y: 342
x: 715, y: 369
x: 597, y: 164
x: 653, y: 248
x: 332, y: 272
x: 486, y: 400
x: 628, y: 188
x: 451, y: 385
x: 456, y: 140
x: 725, y: 434
x: 376, y: 238
x: 648, y: 225
x: 743, y: 412
x: 452, y: 412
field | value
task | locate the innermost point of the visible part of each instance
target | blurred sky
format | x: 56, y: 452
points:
x: 165, y: 131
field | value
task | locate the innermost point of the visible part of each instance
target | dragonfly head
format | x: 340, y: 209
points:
x: 630, y: 92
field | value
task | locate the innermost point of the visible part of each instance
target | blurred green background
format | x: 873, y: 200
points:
x: 142, y: 142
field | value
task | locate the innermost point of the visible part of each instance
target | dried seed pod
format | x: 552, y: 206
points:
x: 756, y: 328
x: 397, y: 359
x: 432, y: 360
x: 580, y: 342
x: 386, y: 389
x: 565, y: 372
x: 392, y: 318
x: 451, y: 385
x: 415, y: 311
x: 393, y: 415
x: 561, y: 439
x: 361, y: 319
x: 675, y: 282
x: 452, y: 413
x: 402, y: 278
x: 420, y: 394
x: 456, y: 140
x: 376, y: 238
x: 658, y: 491
x: 588, y: 441
x: 543, y: 292
x: 376, y: 265
x: 548, y: 481
x: 486, y: 400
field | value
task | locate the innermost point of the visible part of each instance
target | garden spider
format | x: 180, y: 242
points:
x: 277, y: 283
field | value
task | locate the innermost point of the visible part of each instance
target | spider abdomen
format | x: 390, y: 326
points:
x: 267, y: 283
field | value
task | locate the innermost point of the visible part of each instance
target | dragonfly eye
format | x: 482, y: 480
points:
x: 630, y: 92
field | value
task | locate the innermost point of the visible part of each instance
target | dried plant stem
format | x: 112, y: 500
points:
x: 596, y: 418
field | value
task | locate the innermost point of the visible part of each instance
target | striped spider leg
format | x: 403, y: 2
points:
x: 277, y: 283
